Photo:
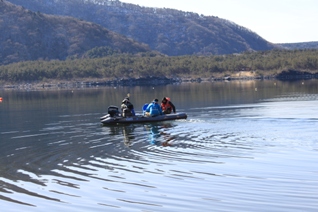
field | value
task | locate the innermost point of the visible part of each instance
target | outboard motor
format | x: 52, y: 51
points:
x: 113, y: 111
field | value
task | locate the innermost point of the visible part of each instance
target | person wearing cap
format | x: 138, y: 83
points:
x: 154, y: 108
x: 127, y: 108
x: 167, y: 106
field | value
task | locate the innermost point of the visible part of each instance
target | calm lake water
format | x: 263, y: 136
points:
x: 246, y: 146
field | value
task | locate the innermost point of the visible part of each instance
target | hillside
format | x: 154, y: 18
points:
x: 282, y: 64
x: 168, y: 31
x: 302, y: 45
x: 27, y: 35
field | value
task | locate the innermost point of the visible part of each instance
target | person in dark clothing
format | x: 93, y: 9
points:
x: 127, y: 108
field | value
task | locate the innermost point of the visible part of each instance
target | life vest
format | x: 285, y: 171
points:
x: 166, y: 106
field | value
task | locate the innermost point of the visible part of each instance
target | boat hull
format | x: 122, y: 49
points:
x: 141, y: 119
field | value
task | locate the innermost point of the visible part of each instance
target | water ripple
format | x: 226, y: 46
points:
x: 198, y: 163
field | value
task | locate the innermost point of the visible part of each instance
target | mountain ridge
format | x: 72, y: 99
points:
x: 39, y: 36
x: 300, y: 45
x: 169, y: 31
x: 27, y: 35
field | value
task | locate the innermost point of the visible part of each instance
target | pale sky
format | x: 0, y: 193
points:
x: 277, y: 21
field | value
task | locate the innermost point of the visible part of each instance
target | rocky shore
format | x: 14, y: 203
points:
x: 146, y: 81
x: 154, y: 81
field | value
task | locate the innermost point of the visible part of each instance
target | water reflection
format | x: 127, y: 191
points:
x: 128, y: 132
x: 158, y: 134
x: 55, y: 154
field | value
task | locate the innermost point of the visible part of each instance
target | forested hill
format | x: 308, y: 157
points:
x: 168, y: 31
x: 27, y: 35
x: 302, y: 45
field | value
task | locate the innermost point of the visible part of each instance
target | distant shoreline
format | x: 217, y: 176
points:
x: 149, y: 81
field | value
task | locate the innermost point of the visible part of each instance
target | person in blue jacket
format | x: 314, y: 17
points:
x: 154, y: 108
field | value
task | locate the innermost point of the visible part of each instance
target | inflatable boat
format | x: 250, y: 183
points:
x: 115, y: 117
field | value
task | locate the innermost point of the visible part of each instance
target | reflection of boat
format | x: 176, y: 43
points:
x: 114, y: 117
x: 158, y: 135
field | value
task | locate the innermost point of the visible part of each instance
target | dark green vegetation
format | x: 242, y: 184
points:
x: 257, y: 64
x: 168, y: 31
x: 27, y: 35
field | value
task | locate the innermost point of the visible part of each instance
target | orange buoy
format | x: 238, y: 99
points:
x: 0, y: 99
